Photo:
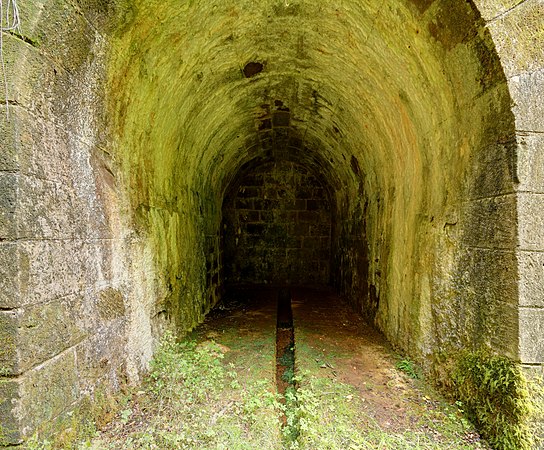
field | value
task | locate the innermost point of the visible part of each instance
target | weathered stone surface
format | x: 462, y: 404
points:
x: 111, y: 304
x: 484, y: 308
x: 126, y: 136
x: 47, y: 329
x: 493, y: 9
x: 528, y: 109
x: 53, y: 269
x: 531, y: 330
x: 518, y: 37
x: 8, y: 338
x: 494, y: 171
x: 8, y: 144
x: 491, y: 222
x: 8, y: 204
x: 531, y: 231
x: 531, y: 278
x: 10, y: 424
x: 9, y: 275
x: 48, y: 210
x: 99, y: 359
x: 530, y: 163
x: 57, y: 210
x: 37, y: 81
x: 33, y: 334
x: 60, y: 377
x: 38, y: 147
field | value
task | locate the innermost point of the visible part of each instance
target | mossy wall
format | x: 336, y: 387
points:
x: 277, y: 227
x: 130, y: 120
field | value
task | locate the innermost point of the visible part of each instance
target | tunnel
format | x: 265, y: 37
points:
x: 162, y: 153
x: 409, y: 133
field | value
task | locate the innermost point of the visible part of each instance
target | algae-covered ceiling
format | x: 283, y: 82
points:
x: 346, y: 85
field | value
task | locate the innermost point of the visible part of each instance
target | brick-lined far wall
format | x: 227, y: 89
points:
x: 277, y: 228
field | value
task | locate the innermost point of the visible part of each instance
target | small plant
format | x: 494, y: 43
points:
x: 409, y: 368
x: 125, y: 415
x: 35, y: 443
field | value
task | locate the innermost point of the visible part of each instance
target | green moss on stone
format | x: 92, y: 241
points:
x: 495, y: 394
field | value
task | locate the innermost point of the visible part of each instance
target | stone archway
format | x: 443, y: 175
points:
x: 129, y: 121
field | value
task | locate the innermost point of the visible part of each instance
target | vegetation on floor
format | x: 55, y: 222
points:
x: 329, y: 415
x: 201, y: 394
x: 194, y: 400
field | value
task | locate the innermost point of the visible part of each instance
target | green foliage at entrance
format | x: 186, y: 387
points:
x: 324, y: 413
x: 195, y: 399
x: 495, y: 395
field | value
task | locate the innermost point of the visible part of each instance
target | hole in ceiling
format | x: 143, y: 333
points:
x: 253, y: 68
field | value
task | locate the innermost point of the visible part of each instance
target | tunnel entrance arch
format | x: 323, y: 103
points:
x: 277, y: 227
x: 99, y: 169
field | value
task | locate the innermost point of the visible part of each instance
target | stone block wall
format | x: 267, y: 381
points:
x: 64, y: 295
x: 278, y: 228
x: 517, y: 29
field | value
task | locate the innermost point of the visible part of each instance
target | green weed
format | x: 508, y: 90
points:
x: 409, y: 368
x: 193, y: 399
x: 326, y: 414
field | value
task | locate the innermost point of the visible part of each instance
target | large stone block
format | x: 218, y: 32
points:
x: 34, y: 334
x: 49, y: 210
x: 518, y: 37
x: 531, y: 330
x: 9, y: 423
x: 38, y: 147
x: 72, y: 42
x: 53, y: 269
x: 102, y: 357
x: 530, y: 164
x: 38, y: 396
x: 493, y: 171
x: 61, y: 91
x: 531, y: 279
x: 8, y: 143
x: 490, y: 9
x: 8, y: 204
x: 24, y: 65
x: 30, y: 13
x: 531, y: 231
x: 485, y: 308
x: 47, y: 391
x: 527, y: 90
x: 9, y: 275
x: 46, y: 330
x: 8, y: 338
x: 491, y: 222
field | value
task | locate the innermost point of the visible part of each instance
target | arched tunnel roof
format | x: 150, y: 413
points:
x: 382, y: 87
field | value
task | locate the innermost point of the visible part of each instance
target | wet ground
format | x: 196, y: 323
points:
x: 300, y: 370
x: 330, y: 342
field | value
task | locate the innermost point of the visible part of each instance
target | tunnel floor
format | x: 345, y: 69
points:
x: 327, y: 342
x: 309, y: 374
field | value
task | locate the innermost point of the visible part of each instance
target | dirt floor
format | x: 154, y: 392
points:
x: 346, y: 348
x: 333, y: 342
x: 333, y: 382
